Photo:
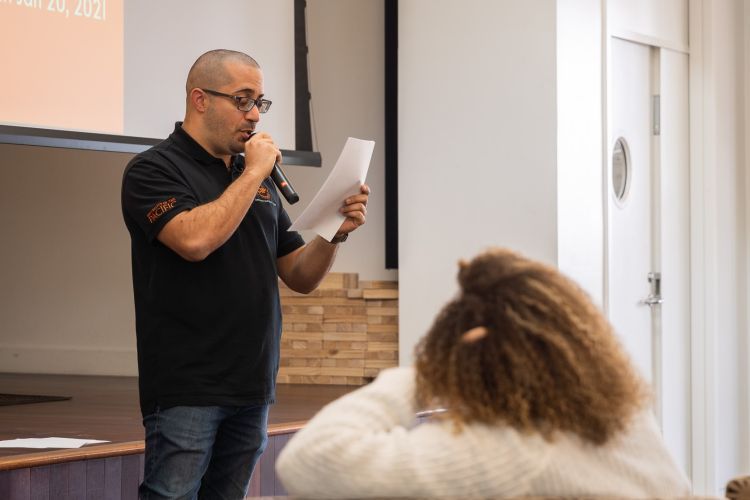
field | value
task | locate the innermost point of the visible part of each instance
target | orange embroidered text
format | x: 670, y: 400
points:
x: 160, y: 209
x: 263, y: 193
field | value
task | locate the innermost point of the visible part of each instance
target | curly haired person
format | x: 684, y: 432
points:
x: 541, y: 399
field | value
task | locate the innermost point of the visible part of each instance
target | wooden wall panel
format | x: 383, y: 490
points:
x: 40, y: 483
x: 131, y: 473
x: 58, y: 481
x: 264, y: 482
x: 265, y: 468
x: 18, y: 485
x: 279, y: 443
x: 77, y: 481
x: 343, y: 333
x: 95, y: 478
x: 112, y: 478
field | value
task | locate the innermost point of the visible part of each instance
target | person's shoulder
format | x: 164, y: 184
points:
x: 159, y: 151
x: 396, y: 376
x: 392, y: 392
x: 161, y: 156
x: 641, y: 422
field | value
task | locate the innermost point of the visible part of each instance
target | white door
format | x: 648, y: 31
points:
x: 631, y: 245
x: 647, y: 226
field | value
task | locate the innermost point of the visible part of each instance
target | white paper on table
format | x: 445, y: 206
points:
x: 50, y: 442
x: 348, y: 174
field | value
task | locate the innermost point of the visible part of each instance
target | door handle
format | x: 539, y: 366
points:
x: 654, y: 298
x: 651, y: 300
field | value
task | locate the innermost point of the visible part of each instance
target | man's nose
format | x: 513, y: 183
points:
x: 253, y: 115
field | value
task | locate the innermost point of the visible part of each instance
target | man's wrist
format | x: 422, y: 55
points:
x: 339, y: 238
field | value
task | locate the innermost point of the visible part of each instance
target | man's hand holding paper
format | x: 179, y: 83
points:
x: 355, y: 211
x: 325, y: 214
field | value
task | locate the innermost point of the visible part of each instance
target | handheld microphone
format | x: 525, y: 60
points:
x: 282, y: 183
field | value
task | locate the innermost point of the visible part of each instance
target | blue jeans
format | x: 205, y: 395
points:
x: 202, y: 452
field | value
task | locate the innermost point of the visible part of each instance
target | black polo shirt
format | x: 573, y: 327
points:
x: 208, y: 332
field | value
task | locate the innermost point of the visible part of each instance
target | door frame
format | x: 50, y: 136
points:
x: 747, y: 214
x: 703, y: 253
x: 703, y: 267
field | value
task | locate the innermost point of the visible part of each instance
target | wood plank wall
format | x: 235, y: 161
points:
x: 115, y: 478
x: 343, y: 333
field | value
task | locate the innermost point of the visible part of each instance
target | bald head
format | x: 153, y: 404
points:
x: 210, y: 69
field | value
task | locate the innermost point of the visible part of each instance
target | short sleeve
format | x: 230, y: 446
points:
x: 153, y: 194
x: 289, y: 241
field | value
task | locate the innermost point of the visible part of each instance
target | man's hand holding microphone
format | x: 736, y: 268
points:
x: 262, y: 144
x: 263, y: 157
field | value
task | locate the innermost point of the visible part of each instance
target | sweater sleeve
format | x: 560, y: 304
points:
x: 366, y: 444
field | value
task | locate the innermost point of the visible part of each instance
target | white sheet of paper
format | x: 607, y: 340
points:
x: 348, y: 174
x: 50, y: 442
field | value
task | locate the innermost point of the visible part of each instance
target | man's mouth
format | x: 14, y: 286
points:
x: 246, y: 135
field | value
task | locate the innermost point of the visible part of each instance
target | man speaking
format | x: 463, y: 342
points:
x: 209, y: 240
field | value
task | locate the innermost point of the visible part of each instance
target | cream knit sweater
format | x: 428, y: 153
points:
x: 366, y: 444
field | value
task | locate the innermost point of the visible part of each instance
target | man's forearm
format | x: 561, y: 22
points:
x: 305, y: 268
x: 195, y: 234
x: 312, y: 265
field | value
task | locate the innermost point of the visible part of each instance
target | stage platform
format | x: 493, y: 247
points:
x: 106, y: 408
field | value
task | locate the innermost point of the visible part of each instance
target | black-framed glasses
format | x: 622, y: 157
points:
x: 243, y: 102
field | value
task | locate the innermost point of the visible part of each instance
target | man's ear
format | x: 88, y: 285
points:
x: 198, y: 100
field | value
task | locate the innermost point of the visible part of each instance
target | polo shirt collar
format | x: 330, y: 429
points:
x: 195, y: 150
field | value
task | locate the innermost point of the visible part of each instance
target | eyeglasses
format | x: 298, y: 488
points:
x: 243, y: 102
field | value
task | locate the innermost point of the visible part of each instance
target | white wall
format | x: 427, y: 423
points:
x: 346, y: 64
x: 580, y: 246
x: 66, y: 302
x: 725, y: 160
x: 477, y: 136
x: 719, y: 33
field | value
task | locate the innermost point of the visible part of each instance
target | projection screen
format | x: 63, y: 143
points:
x: 118, y: 67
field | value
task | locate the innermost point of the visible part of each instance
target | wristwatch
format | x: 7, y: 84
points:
x: 340, y: 238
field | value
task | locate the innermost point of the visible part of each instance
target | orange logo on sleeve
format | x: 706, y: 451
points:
x: 160, y: 209
x: 264, y: 193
